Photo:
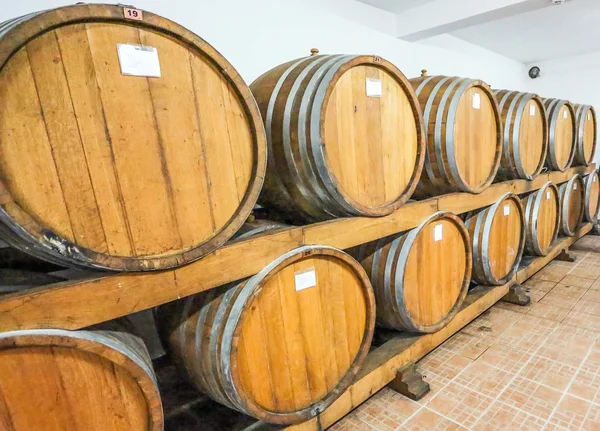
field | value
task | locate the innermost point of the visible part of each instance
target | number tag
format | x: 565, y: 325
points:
x: 506, y: 210
x: 589, y: 117
x: 532, y: 110
x: 575, y: 186
x: 476, y: 101
x: 547, y: 194
x: 565, y: 113
x: 374, y: 87
x: 305, y: 279
x: 593, y: 179
x: 134, y: 14
x: 437, y: 233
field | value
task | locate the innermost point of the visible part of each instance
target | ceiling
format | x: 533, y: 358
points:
x: 395, y: 6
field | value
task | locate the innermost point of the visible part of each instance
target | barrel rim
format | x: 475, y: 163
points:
x: 41, y: 241
x: 565, y: 192
x: 588, y: 181
x: 552, y: 110
x: 581, y: 113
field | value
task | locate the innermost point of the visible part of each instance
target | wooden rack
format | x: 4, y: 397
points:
x: 77, y: 304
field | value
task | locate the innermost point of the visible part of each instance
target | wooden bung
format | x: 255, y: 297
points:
x: 420, y: 277
x: 77, y: 380
x: 464, y: 135
x: 591, y: 206
x: 498, y: 238
x: 104, y: 169
x: 587, y: 134
x: 280, y: 346
x: 542, y: 216
x: 572, y: 202
x: 561, y: 134
x: 345, y: 137
x: 525, y: 135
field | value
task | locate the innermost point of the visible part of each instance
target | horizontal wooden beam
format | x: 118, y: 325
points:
x: 80, y: 303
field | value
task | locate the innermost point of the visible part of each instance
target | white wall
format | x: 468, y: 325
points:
x: 259, y: 34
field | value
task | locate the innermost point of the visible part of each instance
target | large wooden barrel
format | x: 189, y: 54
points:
x: 561, y: 134
x: 498, y: 238
x: 464, y: 134
x: 587, y: 134
x: 420, y: 277
x: 591, y: 206
x: 257, y: 227
x: 280, y: 346
x: 345, y: 137
x: 126, y: 144
x: 572, y: 202
x: 542, y: 217
x: 77, y: 380
x: 525, y: 135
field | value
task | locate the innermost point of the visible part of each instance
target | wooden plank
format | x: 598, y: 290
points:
x: 80, y: 303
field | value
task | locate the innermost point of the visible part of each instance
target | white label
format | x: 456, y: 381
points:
x: 547, y: 194
x: 506, y: 209
x: 374, y: 88
x: 476, y: 101
x: 589, y: 116
x: 575, y: 186
x: 437, y: 233
x: 138, y: 60
x: 565, y: 113
x: 532, y: 110
x: 593, y: 179
x: 305, y: 279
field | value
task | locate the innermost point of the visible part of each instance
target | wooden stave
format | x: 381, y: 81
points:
x: 581, y: 112
x: 435, y: 179
x: 122, y: 349
x: 391, y: 313
x: 46, y: 245
x: 553, y: 107
x: 314, y: 195
x: 589, y: 214
x: 510, y: 168
x: 531, y: 205
x: 474, y: 221
x: 217, y: 306
x: 565, y: 190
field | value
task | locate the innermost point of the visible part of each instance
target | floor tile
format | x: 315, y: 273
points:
x: 592, y: 420
x: 548, y: 372
x: 586, y: 270
x: 569, y: 290
x: 506, y: 358
x: 588, y: 307
x: 467, y: 345
x: 484, y: 378
x: 552, y: 273
x: 502, y: 417
x: 386, y: 410
x: 543, y: 285
x: 531, y: 397
x: 528, y: 333
x: 568, y: 344
x: 559, y: 301
x: 570, y: 414
x: 461, y: 405
x: 583, y: 320
x: 587, y: 381
x: 592, y: 295
x: 548, y: 312
x: 427, y: 420
x: 573, y: 280
x: 444, y: 363
x: 436, y: 384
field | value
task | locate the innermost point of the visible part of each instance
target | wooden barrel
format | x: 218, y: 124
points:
x: 256, y: 227
x: 572, y: 202
x: 77, y: 380
x: 525, y: 136
x: 585, y: 142
x: 542, y: 216
x: 420, y: 277
x: 345, y: 137
x: 561, y: 134
x: 498, y: 237
x: 464, y: 134
x: 591, y: 206
x: 280, y: 346
x: 106, y: 164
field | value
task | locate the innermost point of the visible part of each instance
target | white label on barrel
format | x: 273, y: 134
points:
x: 138, y: 60
x: 374, y: 88
x: 575, y: 186
x: 593, y: 179
x: 506, y: 209
x: 305, y: 279
x: 476, y: 101
x: 565, y: 113
x: 437, y: 233
x: 547, y: 194
x: 532, y: 110
x: 589, y: 116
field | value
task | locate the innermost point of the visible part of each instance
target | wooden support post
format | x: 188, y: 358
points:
x: 517, y: 294
x: 565, y: 256
x: 409, y: 382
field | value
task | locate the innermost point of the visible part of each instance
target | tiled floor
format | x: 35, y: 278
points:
x: 514, y: 368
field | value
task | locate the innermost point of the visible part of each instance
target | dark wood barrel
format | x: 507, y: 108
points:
x: 525, y: 135
x: 420, y: 277
x: 345, y: 137
x: 561, y: 134
x: 587, y: 134
x: 464, y: 134
x: 280, y: 346
x: 498, y: 238
x: 591, y: 206
x: 77, y: 380
x: 107, y: 164
x: 542, y: 218
x: 572, y: 202
x: 257, y: 227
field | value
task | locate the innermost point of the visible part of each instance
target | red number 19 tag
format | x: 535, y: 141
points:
x: 134, y: 14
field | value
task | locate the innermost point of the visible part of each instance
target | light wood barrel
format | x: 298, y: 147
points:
x: 77, y: 380
x: 587, y: 134
x: 464, y: 135
x: 420, y: 277
x: 572, y: 202
x: 561, y: 134
x: 542, y: 217
x: 345, y: 137
x: 498, y: 238
x: 280, y: 346
x: 525, y: 135
x: 591, y: 206
x: 107, y: 170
